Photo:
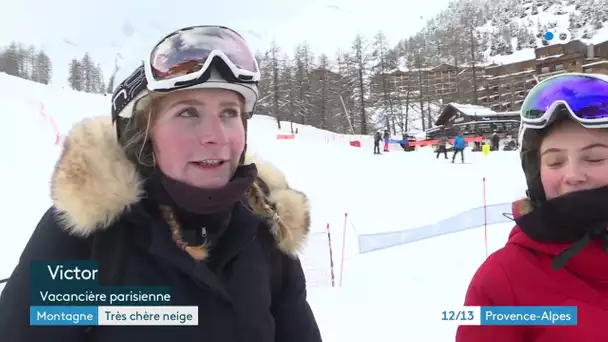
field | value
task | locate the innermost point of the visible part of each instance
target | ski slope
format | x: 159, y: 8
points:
x: 382, y: 290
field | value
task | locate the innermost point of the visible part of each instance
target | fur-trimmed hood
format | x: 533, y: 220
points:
x: 94, y: 182
x: 521, y: 207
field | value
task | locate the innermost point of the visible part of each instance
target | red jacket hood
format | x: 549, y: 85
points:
x: 591, y: 261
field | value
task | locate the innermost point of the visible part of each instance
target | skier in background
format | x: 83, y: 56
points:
x: 459, y: 146
x: 377, y: 139
x: 386, y: 137
x: 495, y: 142
x: 441, y: 147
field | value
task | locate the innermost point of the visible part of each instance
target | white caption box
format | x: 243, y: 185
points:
x: 148, y: 315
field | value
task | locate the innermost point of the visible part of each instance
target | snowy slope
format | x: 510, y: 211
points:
x: 393, y: 191
x: 581, y: 19
x: 506, y: 31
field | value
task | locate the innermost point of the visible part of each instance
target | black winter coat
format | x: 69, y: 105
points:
x: 377, y: 137
x: 96, y: 188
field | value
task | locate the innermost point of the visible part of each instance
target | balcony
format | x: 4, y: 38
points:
x: 552, y: 73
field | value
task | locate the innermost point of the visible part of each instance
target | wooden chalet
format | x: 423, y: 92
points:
x: 474, y: 120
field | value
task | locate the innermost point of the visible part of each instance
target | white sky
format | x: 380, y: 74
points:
x: 71, y: 27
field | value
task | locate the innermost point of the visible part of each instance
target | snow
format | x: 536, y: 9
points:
x: 600, y: 36
x: 550, y: 57
x: 554, y: 18
x: 594, y: 63
x: 520, y: 73
x: 399, y: 291
x: 473, y: 110
x: 517, y: 56
x: 386, y: 295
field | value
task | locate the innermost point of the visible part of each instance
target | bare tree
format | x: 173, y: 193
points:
x: 275, y: 77
x: 43, y: 67
x: 359, y: 69
x: 384, y: 61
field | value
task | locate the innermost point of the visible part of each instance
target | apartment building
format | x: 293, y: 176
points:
x: 445, y: 82
x: 501, y: 88
x: 597, y: 55
x: 560, y: 58
x: 412, y: 80
x: 504, y: 87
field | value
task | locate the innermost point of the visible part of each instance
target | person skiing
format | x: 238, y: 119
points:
x: 441, y: 146
x: 163, y: 193
x: 386, y: 137
x: 377, y: 139
x: 405, y: 142
x: 556, y: 253
x: 495, y: 142
x: 459, y: 146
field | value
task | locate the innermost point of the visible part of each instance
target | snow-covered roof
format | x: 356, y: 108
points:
x: 469, y: 110
x: 442, y: 65
x: 519, y: 73
x: 550, y: 57
x: 594, y: 63
x: 472, y: 110
x: 516, y: 57
x: 398, y: 69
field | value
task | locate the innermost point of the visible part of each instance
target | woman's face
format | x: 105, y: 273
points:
x: 198, y: 136
x: 573, y: 158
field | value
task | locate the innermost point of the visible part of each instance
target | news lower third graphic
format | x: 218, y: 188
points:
x: 67, y: 293
x: 511, y: 315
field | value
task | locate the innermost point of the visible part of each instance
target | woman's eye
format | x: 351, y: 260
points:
x: 554, y: 164
x: 230, y: 113
x: 595, y: 160
x: 188, y: 112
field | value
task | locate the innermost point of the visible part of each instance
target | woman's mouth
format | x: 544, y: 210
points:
x: 209, y: 163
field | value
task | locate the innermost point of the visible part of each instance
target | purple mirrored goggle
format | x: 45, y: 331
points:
x: 584, y: 96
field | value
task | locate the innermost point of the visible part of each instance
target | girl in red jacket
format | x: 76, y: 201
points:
x: 556, y: 255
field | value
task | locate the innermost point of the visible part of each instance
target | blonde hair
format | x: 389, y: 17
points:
x: 136, y: 141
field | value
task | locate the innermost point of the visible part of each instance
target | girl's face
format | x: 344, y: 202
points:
x: 199, y: 136
x: 573, y: 158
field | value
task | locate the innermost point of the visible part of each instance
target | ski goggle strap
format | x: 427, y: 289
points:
x: 584, y: 96
x: 128, y: 93
x: 184, y: 55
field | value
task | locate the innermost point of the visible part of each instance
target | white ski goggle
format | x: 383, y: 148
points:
x: 183, y: 59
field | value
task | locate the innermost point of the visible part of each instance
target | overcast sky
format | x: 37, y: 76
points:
x: 324, y: 23
x: 133, y: 25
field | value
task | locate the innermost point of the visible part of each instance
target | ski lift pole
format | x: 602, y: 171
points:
x: 347, y: 114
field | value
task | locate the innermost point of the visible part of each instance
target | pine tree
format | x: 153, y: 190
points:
x: 110, y: 87
x: 11, y: 60
x: 75, y: 78
x: 87, y: 74
x: 44, y: 66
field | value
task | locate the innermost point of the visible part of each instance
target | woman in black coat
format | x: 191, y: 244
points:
x: 164, y: 194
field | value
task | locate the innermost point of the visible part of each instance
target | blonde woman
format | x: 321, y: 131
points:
x: 165, y: 195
